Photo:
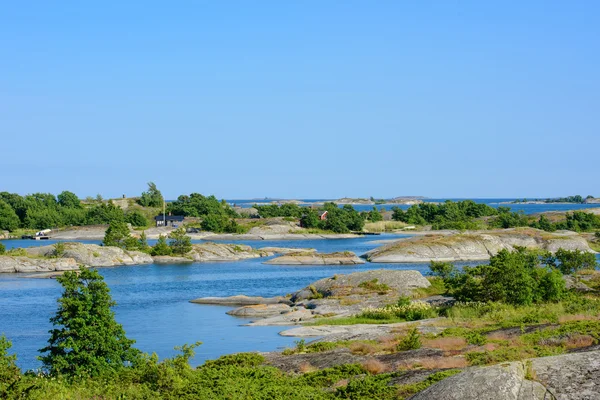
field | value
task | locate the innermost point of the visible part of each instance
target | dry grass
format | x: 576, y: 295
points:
x: 306, y: 367
x: 446, y: 343
x: 440, y: 363
x: 384, y: 226
x: 363, y: 348
x: 388, y: 343
x: 374, y: 366
x: 576, y: 317
x: 578, y: 341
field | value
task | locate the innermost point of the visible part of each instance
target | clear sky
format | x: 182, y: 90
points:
x: 301, y: 99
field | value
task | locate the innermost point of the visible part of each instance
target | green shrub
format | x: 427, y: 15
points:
x: 2, y: 249
x: 59, y: 249
x: 161, y: 248
x: 411, y: 341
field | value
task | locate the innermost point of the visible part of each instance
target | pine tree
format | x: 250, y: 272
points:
x: 116, y: 234
x: 180, y: 242
x: 86, y: 339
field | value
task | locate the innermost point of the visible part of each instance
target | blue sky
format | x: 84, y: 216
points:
x: 305, y: 99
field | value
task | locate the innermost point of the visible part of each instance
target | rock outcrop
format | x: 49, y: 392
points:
x: 303, y: 258
x: 573, y: 376
x: 400, y: 283
x: 473, y: 245
x: 10, y: 264
x: 92, y: 255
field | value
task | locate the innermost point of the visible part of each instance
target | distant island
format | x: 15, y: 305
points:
x: 577, y: 199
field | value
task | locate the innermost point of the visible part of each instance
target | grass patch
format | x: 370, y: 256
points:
x: 353, y: 321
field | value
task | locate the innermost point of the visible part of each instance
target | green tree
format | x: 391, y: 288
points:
x: 161, y: 248
x: 2, y: 249
x: 310, y: 219
x: 152, y: 198
x: 180, y: 242
x: 143, y: 242
x: 9, y: 221
x: 69, y: 200
x: 86, y: 339
x: 375, y: 215
x: 9, y: 372
x: 136, y: 218
x: 116, y: 235
x: 570, y: 261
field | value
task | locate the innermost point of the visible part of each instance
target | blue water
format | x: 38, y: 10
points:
x: 526, y: 208
x: 153, y: 302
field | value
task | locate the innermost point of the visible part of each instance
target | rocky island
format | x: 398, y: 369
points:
x: 473, y: 245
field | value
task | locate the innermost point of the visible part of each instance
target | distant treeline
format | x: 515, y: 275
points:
x: 448, y: 215
x: 463, y: 215
x: 577, y: 199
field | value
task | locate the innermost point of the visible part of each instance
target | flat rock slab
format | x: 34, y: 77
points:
x: 301, y: 258
x: 566, y: 377
x: 335, y: 333
x: 92, y: 255
x: 240, y: 300
x: 260, y: 310
x: 291, y: 318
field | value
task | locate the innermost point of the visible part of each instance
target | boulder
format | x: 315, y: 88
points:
x: 303, y: 258
x: 398, y: 283
x: 473, y: 246
x: 573, y: 376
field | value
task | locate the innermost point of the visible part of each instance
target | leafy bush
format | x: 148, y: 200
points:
x: 413, y: 311
x: 136, y: 218
x: 412, y: 341
x: 2, y: 249
x: 517, y: 277
x: 449, y: 215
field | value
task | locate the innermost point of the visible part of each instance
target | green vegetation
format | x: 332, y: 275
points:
x: 152, y: 198
x: 577, y: 221
x: 448, y: 215
x: 180, y: 243
x: 411, y: 341
x: 374, y: 286
x: 86, y: 340
x: 284, y: 210
x: 519, y: 277
x: 161, y: 248
x: 117, y: 235
x: 2, y: 249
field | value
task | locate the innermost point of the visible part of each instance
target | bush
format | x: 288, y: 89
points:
x: 569, y: 262
x: 517, y: 277
x: 2, y: 249
x: 412, y: 341
x: 136, y: 218
x: 116, y: 235
x: 59, y: 249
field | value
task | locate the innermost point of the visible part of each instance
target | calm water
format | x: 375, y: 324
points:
x: 154, y: 308
x: 526, y: 208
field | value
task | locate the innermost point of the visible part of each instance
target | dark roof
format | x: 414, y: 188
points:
x: 169, y: 218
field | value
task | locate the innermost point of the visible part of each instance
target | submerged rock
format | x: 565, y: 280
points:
x: 473, y: 246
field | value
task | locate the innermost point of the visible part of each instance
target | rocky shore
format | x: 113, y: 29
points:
x: 45, y: 259
x: 337, y: 296
x: 473, y: 246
